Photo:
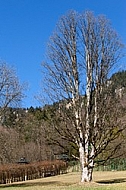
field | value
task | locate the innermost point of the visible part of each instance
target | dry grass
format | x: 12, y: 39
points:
x: 102, y: 181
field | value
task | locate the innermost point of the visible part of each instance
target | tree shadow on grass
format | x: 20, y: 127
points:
x: 112, y: 181
x: 33, y: 184
x: 29, y: 184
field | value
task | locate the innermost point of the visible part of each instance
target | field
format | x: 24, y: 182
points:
x: 101, y: 181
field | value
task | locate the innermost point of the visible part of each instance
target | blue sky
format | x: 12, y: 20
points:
x: 25, y: 27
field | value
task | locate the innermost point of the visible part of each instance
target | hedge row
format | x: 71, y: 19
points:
x: 18, y: 172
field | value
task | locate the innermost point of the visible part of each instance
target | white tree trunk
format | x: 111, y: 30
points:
x: 85, y: 169
x: 83, y: 160
x: 91, y: 163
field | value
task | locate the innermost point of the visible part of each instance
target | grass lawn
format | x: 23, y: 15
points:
x: 114, y: 180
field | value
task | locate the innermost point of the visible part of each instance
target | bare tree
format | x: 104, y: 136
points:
x: 102, y: 50
x: 11, y: 92
x: 82, y: 52
x: 9, y: 145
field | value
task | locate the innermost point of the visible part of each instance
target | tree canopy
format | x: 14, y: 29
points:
x: 81, y: 53
x: 11, y: 91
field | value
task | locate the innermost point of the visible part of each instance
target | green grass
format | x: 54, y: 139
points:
x: 102, y: 181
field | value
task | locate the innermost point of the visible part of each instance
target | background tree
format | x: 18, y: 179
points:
x: 81, y: 54
x: 22, y: 135
x: 11, y: 91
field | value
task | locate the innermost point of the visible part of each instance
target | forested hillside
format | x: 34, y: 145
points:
x: 23, y: 131
x: 119, y: 79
